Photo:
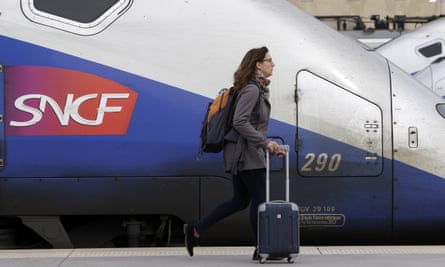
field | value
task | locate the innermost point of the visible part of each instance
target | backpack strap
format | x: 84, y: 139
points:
x: 261, y: 92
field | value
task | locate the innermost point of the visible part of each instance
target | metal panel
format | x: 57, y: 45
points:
x: 349, y: 140
x: 2, y: 114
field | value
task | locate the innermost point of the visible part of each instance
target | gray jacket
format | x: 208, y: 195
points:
x: 248, y: 152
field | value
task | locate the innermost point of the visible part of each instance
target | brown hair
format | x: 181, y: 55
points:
x: 247, y: 68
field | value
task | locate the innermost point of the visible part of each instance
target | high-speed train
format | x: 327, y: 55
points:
x: 101, y: 110
x: 421, y: 53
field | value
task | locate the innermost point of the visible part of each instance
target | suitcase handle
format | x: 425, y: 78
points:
x: 286, y: 150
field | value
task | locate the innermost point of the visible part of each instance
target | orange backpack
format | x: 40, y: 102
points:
x: 217, y: 122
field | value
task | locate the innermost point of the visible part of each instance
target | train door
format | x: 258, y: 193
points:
x: 343, y: 188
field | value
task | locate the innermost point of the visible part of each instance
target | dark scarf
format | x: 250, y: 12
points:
x: 262, y: 81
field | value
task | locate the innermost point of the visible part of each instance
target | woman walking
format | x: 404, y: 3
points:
x: 245, y: 159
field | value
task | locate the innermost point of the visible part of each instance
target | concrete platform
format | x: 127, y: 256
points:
x: 362, y: 256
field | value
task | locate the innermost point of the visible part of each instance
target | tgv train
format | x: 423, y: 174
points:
x: 102, y: 107
x: 421, y: 53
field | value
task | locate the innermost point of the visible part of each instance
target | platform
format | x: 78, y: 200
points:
x: 363, y: 256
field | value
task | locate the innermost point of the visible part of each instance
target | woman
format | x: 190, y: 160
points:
x: 245, y: 159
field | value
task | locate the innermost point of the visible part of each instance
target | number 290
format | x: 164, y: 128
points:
x: 321, y: 162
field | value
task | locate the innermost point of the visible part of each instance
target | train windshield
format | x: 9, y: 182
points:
x: 431, y: 50
x: 441, y: 109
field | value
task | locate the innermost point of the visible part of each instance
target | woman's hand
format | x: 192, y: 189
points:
x: 274, y: 148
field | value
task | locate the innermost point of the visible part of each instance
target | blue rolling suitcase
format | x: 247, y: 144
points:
x: 278, y: 223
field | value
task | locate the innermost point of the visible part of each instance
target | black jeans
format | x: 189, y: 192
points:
x: 249, y: 187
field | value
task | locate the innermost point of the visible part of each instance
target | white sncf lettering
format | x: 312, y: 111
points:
x: 70, y: 110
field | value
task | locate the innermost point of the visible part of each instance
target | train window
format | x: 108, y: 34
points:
x: 339, y: 133
x: 82, y: 17
x: 441, y: 109
x: 431, y: 50
x: 75, y: 10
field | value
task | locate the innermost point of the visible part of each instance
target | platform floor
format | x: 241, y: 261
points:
x: 357, y: 256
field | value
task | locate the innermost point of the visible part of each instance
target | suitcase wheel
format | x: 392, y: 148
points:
x: 262, y: 260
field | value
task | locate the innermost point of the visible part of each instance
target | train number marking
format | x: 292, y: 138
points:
x: 321, y: 162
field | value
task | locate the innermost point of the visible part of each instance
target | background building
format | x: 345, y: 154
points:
x: 415, y: 12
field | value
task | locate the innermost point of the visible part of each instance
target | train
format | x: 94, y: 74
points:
x: 420, y: 53
x: 101, y: 110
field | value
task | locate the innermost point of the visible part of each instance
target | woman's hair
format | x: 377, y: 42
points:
x: 247, y: 69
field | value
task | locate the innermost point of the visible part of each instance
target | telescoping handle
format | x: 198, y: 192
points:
x: 286, y: 149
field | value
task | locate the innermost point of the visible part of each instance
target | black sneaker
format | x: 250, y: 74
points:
x: 256, y: 256
x: 190, y: 239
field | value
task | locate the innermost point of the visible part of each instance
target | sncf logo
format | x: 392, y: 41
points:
x: 51, y: 101
x: 70, y: 111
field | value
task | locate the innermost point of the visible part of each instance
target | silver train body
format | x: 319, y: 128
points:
x: 102, y: 114
x: 421, y: 53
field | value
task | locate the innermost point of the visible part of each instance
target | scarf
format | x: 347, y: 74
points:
x: 262, y: 81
